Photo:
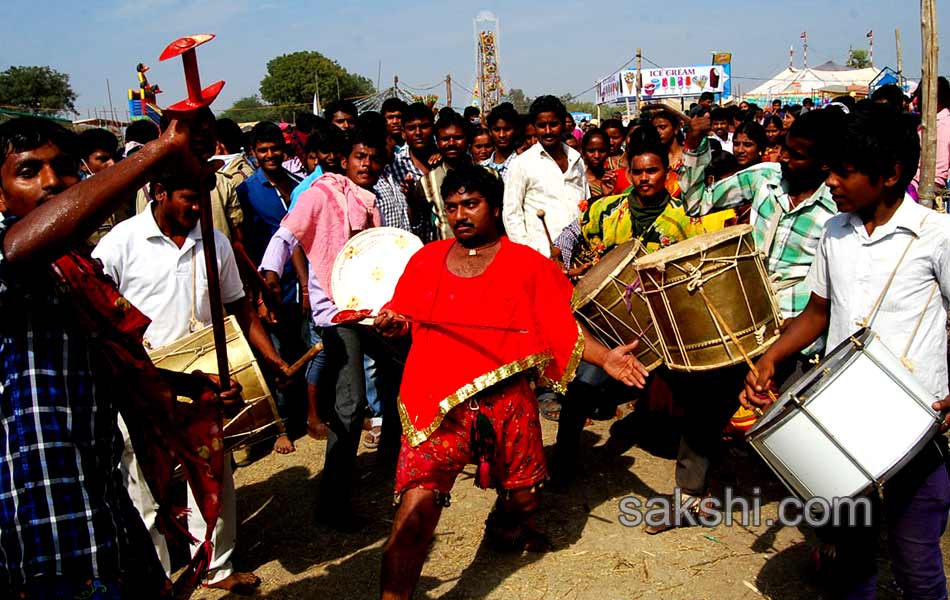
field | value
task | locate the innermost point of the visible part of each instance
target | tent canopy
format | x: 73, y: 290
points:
x: 800, y: 83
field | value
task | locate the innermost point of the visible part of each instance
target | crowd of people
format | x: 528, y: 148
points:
x: 102, y: 257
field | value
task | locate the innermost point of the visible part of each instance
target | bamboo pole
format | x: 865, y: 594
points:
x: 900, y: 59
x: 639, y: 80
x: 928, y: 98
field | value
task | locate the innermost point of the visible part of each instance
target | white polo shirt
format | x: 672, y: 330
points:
x: 162, y: 280
x: 535, y: 181
x: 851, y: 269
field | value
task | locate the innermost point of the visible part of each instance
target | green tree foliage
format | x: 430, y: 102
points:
x: 518, y: 98
x: 37, y: 89
x: 250, y: 109
x: 859, y: 59
x: 291, y: 79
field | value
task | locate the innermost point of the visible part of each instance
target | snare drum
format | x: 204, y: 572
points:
x: 367, y: 269
x: 608, y: 302
x: 847, y: 425
x: 706, y: 290
x: 257, y: 419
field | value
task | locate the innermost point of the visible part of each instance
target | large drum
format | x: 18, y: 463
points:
x: 367, y: 269
x: 711, y: 300
x: 257, y: 420
x: 608, y: 302
x: 848, y: 424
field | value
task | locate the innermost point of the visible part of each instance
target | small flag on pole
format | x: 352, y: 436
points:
x: 804, y: 35
x: 870, y: 34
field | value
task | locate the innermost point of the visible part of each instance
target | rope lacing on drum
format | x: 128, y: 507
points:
x: 695, y: 279
x: 629, y: 291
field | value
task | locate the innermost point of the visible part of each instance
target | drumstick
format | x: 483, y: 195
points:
x: 303, y: 360
x: 470, y: 325
x: 732, y: 336
x: 547, y: 233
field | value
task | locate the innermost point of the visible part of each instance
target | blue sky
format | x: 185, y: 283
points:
x: 558, y: 46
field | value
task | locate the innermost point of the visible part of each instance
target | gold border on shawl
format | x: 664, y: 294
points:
x: 417, y: 436
x: 560, y: 387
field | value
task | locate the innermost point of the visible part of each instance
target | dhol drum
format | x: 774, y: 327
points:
x: 257, y: 420
x: 607, y: 301
x: 367, y: 269
x: 847, y: 425
x: 711, y: 300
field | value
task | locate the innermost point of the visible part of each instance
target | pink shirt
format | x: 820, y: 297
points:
x: 325, y: 217
x: 943, y: 151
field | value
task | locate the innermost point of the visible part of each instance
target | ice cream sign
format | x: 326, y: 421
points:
x: 677, y: 81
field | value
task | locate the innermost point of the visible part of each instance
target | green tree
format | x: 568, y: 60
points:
x: 37, y: 89
x: 251, y: 108
x: 292, y: 79
x: 518, y: 98
x: 859, y: 59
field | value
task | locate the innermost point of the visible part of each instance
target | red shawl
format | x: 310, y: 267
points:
x: 164, y: 432
x: 520, y: 289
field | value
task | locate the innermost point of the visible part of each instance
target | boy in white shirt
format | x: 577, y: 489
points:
x: 860, y: 249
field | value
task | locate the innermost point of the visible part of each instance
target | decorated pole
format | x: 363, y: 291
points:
x: 639, y: 80
x: 199, y: 98
x: 928, y: 101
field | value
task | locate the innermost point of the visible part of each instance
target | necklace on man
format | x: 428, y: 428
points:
x: 474, y: 251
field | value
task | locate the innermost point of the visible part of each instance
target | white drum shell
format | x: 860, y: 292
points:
x: 870, y: 408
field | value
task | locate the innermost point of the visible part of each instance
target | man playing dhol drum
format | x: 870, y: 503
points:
x: 516, y: 308
x: 885, y: 256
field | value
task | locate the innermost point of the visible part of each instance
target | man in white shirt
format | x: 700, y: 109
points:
x: 157, y: 260
x: 549, y: 175
x: 719, y: 122
x: 881, y: 232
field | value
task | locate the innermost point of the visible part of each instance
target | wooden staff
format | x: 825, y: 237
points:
x: 547, y: 234
x: 928, y: 102
x: 303, y: 360
x: 214, y: 291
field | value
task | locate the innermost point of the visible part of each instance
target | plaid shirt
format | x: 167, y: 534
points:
x: 500, y: 168
x: 390, y: 200
x: 60, y: 502
x: 794, y: 232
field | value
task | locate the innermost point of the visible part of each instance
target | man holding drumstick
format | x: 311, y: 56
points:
x: 482, y: 409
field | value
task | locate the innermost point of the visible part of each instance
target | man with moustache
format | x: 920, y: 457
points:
x: 410, y: 164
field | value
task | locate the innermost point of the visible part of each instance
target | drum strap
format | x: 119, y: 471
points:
x: 880, y: 299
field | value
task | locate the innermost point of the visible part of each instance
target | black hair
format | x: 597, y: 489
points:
x: 172, y: 179
x: 795, y: 110
x: 891, y: 96
x: 808, y: 102
x: 481, y: 131
x: 229, y: 135
x: 612, y: 124
x: 721, y: 164
x: 29, y: 133
x: 718, y: 114
x: 202, y: 114
x: 266, y: 132
x: 543, y: 104
x: 142, y: 131
x: 91, y: 140
x: 646, y: 140
x: 371, y: 138
x: 325, y: 138
x: 445, y: 111
x: 471, y: 111
x: 754, y: 132
x: 504, y: 112
x: 846, y: 100
x: 668, y: 115
x: 449, y: 119
x: 343, y: 106
x: 305, y: 122
x: 872, y: 140
x: 592, y: 133
x: 393, y: 104
x: 943, y: 92
x: 707, y: 96
x: 818, y: 126
x: 773, y: 120
x: 473, y: 178
x: 417, y: 111
x: 373, y: 121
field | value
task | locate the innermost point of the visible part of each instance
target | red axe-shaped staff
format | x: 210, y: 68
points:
x: 199, y: 98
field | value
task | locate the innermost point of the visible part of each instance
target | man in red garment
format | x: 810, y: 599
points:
x: 505, y: 311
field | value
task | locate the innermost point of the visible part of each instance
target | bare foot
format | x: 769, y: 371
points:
x: 283, y: 445
x: 239, y: 583
x: 317, y: 429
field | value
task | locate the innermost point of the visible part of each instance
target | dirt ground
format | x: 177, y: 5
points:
x: 595, y: 556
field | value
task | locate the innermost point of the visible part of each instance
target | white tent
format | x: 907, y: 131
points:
x: 792, y: 85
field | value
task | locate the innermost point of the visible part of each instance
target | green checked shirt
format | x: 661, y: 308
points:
x: 787, y: 236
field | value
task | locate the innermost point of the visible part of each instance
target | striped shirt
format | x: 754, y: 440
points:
x: 60, y: 494
x: 787, y: 236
